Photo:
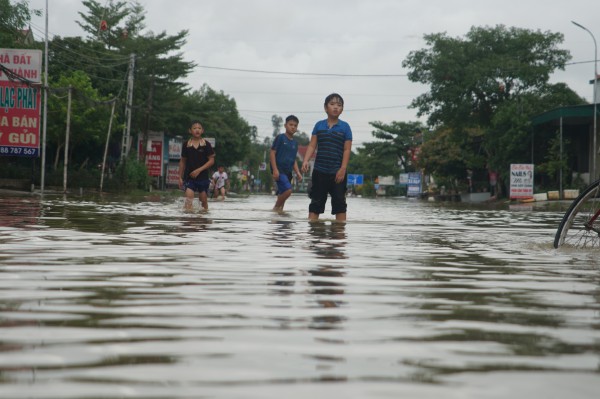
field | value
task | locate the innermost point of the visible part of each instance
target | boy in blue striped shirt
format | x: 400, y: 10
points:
x: 332, y: 139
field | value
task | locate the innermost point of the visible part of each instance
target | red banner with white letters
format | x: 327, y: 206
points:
x: 20, y: 99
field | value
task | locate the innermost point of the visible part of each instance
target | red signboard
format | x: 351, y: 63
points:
x: 154, y: 158
x: 152, y: 152
x: 19, y: 119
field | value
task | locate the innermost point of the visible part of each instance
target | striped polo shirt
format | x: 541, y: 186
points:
x: 330, y: 145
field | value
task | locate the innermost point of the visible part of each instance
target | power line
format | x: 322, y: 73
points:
x: 304, y: 73
x: 321, y: 111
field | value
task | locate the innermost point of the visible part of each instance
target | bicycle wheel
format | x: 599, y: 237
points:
x: 580, y: 226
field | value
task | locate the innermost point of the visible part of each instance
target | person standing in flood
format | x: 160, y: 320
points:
x: 332, y: 139
x: 220, y: 183
x: 283, y: 161
x: 197, y: 156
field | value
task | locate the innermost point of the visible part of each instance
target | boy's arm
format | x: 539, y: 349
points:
x: 208, y: 164
x: 211, y: 162
x: 309, y: 152
x: 339, y: 176
x: 297, y: 170
x: 273, y: 161
x: 182, y: 161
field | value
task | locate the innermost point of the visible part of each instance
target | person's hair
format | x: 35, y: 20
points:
x: 194, y: 121
x: 292, y: 118
x: 333, y: 96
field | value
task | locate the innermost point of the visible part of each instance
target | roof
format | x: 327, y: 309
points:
x: 576, y: 114
x: 302, y: 151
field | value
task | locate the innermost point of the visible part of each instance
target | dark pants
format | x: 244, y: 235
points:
x: 322, y: 185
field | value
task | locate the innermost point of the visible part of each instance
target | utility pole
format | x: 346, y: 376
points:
x: 67, y: 134
x: 595, y: 95
x: 46, y: 93
x: 112, y: 114
x: 127, y: 128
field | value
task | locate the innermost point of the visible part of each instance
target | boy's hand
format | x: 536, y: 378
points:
x: 304, y: 167
x: 195, y: 173
x: 298, y: 177
x: 339, y: 176
x: 275, y: 175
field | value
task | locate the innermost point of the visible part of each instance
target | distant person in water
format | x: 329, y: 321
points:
x: 197, y: 156
x: 283, y: 161
x: 220, y: 182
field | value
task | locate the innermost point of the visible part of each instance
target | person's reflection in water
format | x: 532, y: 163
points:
x: 283, y: 234
x: 195, y: 223
x: 328, y: 242
x: 282, y: 237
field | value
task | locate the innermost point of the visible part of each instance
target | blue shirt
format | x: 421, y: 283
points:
x: 330, y: 145
x: 285, y: 153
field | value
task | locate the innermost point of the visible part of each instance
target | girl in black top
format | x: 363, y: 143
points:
x: 197, y: 156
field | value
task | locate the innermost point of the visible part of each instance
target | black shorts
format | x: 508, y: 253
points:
x: 323, y: 184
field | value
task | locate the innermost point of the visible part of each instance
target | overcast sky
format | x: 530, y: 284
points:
x: 346, y: 37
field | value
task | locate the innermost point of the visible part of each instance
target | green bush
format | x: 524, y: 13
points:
x: 367, y: 190
x: 85, y: 178
x: 130, y: 174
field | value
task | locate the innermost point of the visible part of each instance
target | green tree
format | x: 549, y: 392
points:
x: 508, y: 140
x: 88, y: 120
x: 470, y: 78
x: 277, y: 122
x: 14, y: 18
x: 302, y: 138
x: 374, y: 159
x: 402, y: 138
x: 483, y: 90
x: 221, y: 119
x: 113, y: 22
x: 106, y: 69
x: 444, y: 158
x: 160, y: 69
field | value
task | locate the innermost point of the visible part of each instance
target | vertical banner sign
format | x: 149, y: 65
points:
x: 154, y: 153
x: 20, y: 103
x: 414, y: 184
x: 521, y: 181
x: 173, y: 174
x: 175, y: 146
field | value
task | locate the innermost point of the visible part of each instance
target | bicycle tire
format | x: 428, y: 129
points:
x: 572, y: 230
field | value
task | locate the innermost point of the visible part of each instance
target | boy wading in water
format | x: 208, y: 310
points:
x: 332, y: 138
x: 197, y: 156
x: 283, y: 161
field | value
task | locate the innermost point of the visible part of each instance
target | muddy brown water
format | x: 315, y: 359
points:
x: 114, y: 297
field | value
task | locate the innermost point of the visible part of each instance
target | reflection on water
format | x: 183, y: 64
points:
x: 118, y: 297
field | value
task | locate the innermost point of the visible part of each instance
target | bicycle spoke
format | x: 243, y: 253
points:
x: 581, y: 224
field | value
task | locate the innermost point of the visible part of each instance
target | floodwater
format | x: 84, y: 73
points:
x: 111, y: 297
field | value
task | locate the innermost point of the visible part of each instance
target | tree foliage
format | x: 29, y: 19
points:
x: 221, y: 120
x: 470, y: 78
x: 277, y: 122
x: 88, y: 118
x: 122, y: 20
x: 96, y: 67
x: 483, y: 90
x: 508, y: 139
x: 14, y: 18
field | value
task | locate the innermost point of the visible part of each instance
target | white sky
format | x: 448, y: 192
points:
x: 335, y: 36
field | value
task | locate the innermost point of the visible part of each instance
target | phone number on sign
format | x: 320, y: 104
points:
x: 19, y: 151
